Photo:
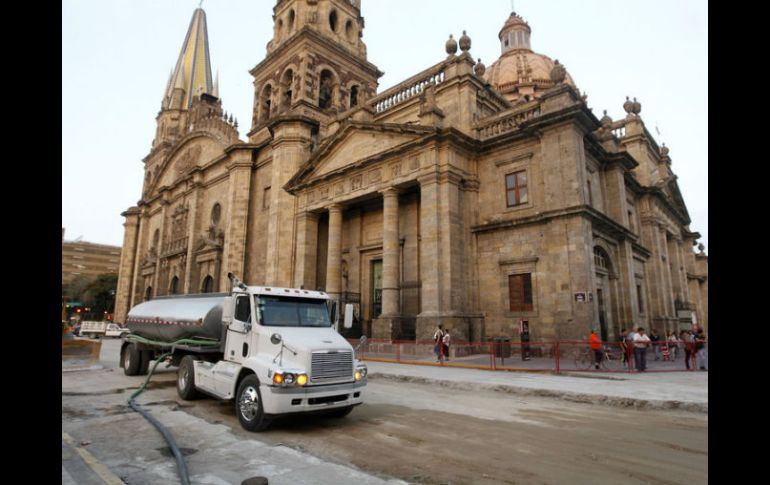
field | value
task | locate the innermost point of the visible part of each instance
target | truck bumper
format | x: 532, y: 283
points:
x: 290, y: 400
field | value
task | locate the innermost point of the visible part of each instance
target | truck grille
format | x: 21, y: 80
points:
x: 329, y: 366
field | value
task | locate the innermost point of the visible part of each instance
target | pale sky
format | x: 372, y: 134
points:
x: 117, y: 55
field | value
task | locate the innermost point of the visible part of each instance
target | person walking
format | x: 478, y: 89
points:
x: 641, y: 342
x: 624, y: 349
x: 596, y: 346
x: 700, y: 349
x: 673, y: 344
x: 655, y: 342
x: 438, y: 339
x: 445, y: 344
x: 689, y: 348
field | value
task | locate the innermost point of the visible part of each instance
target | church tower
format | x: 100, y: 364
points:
x: 316, y: 58
x: 315, y: 69
x: 190, y: 79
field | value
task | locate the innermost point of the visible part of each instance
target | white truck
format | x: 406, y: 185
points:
x: 274, y: 351
x: 93, y: 329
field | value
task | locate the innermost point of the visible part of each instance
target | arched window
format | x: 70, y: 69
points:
x: 173, y: 289
x: 326, y: 90
x: 265, y: 102
x: 156, y: 238
x: 291, y: 21
x: 354, y: 96
x: 333, y: 20
x: 350, y: 31
x: 216, y: 214
x: 602, y: 260
x: 287, y: 83
x: 148, y: 294
x: 208, y: 285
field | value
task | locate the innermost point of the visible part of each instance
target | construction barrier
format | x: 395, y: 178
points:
x: 77, y: 354
x: 555, y: 356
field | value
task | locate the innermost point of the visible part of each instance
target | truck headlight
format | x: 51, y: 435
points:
x: 288, y: 377
x: 302, y: 379
x: 360, y: 372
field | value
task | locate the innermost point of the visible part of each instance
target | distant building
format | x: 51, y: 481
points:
x: 466, y: 196
x: 87, y: 259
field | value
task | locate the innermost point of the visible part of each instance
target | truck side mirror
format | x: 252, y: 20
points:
x: 276, y: 338
x: 227, y: 309
x: 349, y: 315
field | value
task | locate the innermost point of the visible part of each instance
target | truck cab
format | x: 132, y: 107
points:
x: 282, y: 355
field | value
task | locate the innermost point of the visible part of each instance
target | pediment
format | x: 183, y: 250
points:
x: 355, y: 145
x: 189, y: 153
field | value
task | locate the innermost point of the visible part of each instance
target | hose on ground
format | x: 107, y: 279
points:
x: 181, y: 464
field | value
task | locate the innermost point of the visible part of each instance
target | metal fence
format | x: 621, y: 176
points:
x: 555, y: 356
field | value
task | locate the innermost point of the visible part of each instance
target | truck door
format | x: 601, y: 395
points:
x: 239, y: 331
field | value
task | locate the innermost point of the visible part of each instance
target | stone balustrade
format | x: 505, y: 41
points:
x: 408, y: 89
x: 508, y: 122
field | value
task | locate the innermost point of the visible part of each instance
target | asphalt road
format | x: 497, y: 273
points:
x: 404, y: 431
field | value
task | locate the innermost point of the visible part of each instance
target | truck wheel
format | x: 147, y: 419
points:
x: 248, y: 405
x: 145, y: 365
x: 132, y: 360
x: 185, y: 379
x: 341, y: 412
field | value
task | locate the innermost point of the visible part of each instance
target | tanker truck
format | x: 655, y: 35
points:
x: 274, y: 351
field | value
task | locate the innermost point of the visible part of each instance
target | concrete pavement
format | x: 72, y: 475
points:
x: 665, y: 390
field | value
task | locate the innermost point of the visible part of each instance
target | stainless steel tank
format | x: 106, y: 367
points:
x: 169, y: 319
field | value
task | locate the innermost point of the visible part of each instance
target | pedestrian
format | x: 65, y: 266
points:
x: 625, y: 351
x: 701, y: 351
x: 596, y: 346
x: 641, y: 342
x: 673, y: 343
x: 438, y: 338
x: 655, y: 342
x: 445, y: 343
x: 689, y: 348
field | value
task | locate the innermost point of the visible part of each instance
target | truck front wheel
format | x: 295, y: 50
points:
x: 185, y: 379
x: 132, y: 360
x: 248, y: 405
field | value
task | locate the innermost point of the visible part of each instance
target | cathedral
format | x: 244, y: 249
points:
x: 475, y: 197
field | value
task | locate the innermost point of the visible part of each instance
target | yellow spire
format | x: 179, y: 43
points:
x: 193, y: 68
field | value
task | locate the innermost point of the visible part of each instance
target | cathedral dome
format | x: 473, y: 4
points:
x: 520, y: 72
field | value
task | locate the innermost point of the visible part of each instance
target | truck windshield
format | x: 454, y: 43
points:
x: 286, y: 311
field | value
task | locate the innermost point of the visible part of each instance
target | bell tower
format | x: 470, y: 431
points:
x: 316, y: 58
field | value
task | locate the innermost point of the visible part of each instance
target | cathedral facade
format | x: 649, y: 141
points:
x: 469, y: 196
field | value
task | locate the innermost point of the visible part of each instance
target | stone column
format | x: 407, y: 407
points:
x: 334, y: 256
x: 136, y: 291
x: 191, y: 286
x: 128, y: 256
x: 238, y: 217
x: 307, y: 250
x: 390, y: 254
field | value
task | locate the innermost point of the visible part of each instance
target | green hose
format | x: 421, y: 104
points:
x: 183, y: 474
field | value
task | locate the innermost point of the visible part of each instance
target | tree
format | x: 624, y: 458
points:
x: 100, y: 294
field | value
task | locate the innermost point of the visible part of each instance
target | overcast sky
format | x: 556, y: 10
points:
x: 117, y: 55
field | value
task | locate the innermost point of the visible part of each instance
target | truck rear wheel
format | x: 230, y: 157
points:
x: 132, y: 360
x: 248, y: 405
x: 185, y: 379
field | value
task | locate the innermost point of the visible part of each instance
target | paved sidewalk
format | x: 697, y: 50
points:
x: 666, y: 390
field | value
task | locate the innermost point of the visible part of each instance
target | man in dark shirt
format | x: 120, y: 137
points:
x: 655, y: 339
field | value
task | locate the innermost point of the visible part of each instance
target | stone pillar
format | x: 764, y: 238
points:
x: 388, y: 325
x: 156, y: 278
x: 128, y: 257
x: 390, y: 254
x: 307, y: 250
x: 334, y: 255
x: 238, y: 220
x: 136, y: 292
x: 189, y: 285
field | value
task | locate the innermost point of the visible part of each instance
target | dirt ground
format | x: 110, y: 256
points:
x: 485, y: 438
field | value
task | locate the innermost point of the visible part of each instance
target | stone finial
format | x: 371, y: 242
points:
x: 628, y: 106
x: 701, y: 247
x: 606, y: 121
x: 664, y: 150
x: 451, y: 46
x: 558, y: 73
x: 479, y: 69
x: 465, y: 42
x: 637, y: 107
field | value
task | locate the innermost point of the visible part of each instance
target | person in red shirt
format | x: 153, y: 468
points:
x: 596, y: 346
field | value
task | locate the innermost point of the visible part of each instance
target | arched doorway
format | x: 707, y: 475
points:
x: 208, y: 285
x: 174, y: 287
x: 148, y: 294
